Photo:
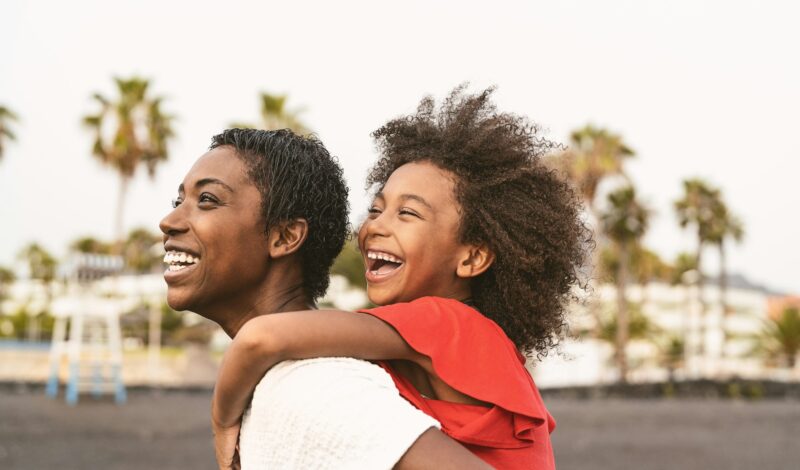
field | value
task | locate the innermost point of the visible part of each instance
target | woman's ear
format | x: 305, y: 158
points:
x: 476, y: 260
x: 287, y: 237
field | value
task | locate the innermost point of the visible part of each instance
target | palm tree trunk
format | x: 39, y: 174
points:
x: 595, y: 303
x: 622, y: 315
x: 119, y: 229
x: 687, y: 310
x: 701, y: 344
x: 723, y: 298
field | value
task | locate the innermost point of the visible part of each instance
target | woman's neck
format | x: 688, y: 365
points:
x: 283, y: 290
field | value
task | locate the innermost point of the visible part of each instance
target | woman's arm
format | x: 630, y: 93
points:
x: 433, y: 449
x: 269, y: 339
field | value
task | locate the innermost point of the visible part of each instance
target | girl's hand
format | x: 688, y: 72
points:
x: 226, y: 446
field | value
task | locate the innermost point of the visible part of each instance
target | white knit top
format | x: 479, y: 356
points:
x: 328, y: 413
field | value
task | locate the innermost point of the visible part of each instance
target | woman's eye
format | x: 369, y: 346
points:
x: 176, y: 202
x: 374, y: 210
x: 205, y: 197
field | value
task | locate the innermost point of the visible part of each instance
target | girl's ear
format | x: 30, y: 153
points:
x: 287, y: 237
x: 476, y: 260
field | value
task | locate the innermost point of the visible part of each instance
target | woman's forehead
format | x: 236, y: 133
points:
x: 220, y: 165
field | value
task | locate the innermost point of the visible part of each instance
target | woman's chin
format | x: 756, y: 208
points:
x: 177, y: 301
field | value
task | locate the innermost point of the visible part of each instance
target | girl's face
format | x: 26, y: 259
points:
x: 410, y: 238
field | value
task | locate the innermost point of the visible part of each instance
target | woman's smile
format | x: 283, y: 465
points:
x: 211, y: 235
x: 179, y: 264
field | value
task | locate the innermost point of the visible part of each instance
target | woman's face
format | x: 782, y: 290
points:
x: 410, y: 239
x: 216, y: 249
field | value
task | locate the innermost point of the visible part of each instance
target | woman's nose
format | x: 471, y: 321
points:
x: 173, y: 223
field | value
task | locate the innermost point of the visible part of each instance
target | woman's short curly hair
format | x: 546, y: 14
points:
x: 509, y: 200
x: 297, y: 178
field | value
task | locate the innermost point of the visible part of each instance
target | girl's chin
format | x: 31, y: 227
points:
x: 379, y: 297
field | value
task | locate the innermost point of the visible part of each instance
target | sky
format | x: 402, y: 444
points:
x: 706, y: 89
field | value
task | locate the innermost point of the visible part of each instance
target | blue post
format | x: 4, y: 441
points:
x: 52, y: 382
x: 72, y: 384
x: 97, y: 379
x: 120, y: 395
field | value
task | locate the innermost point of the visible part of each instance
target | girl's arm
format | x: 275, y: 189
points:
x: 269, y: 339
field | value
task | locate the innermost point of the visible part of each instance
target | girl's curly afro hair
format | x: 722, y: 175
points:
x: 509, y: 200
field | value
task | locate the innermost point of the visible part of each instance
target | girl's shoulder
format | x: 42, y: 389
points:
x: 469, y: 352
x: 427, y: 313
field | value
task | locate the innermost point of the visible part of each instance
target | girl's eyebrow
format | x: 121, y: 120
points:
x: 414, y: 197
x: 406, y: 197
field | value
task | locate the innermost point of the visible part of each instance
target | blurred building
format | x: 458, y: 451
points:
x: 673, y: 313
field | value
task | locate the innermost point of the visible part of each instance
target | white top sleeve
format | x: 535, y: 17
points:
x: 328, y: 413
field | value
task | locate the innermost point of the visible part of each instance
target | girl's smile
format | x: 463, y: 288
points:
x: 409, y: 241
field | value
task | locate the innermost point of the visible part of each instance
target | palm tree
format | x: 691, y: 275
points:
x: 275, y: 115
x: 594, y: 155
x: 90, y: 244
x: 672, y: 355
x: 638, y: 328
x: 647, y: 266
x: 698, y: 207
x: 129, y: 131
x: 625, y: 223
x: 350, y: 264
x: 42, y: 266
x: 6, y: 116
x: 142, y: 251
x: 780, y: 337
x: 684, y: 270
x: 7, y: 277
x: 725, y: 226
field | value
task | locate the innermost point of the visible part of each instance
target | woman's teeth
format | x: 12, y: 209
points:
x: 178, y: 260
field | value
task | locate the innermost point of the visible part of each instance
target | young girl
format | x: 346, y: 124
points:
x: 472, y: 248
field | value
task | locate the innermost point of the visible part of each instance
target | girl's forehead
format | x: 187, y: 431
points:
x: 421, y: 177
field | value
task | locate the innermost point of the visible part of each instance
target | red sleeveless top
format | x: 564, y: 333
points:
x: 473, y: 355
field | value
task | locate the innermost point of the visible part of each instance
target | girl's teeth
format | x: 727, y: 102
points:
x: 383, y: 256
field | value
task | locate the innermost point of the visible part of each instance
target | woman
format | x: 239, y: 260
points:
x: 256, y: 225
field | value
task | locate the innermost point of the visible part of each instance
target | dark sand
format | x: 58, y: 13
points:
x: 169, y: 430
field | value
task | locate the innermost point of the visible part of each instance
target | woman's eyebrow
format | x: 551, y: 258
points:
x: 206, y: 181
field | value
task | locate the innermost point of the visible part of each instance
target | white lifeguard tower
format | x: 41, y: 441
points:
x: 87, y: 333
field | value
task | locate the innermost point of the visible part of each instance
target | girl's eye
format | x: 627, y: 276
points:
x: 409, y: 212
x: 176, y: 202
x: 374, y: 210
